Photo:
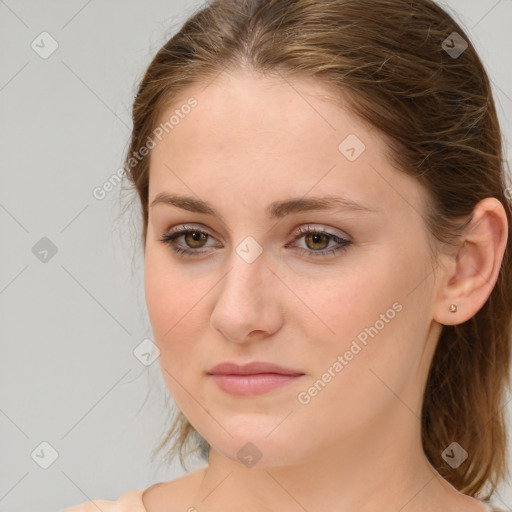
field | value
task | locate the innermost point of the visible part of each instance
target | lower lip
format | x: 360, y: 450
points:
x: 257, y: 384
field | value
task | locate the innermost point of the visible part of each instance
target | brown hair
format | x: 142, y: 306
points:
x: 436, y: 111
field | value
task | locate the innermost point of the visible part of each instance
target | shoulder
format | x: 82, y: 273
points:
x: 173, y: 495
x: 155, y: 498
x: 130, y: 501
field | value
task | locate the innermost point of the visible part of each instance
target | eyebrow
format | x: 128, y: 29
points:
x: 275, y: 210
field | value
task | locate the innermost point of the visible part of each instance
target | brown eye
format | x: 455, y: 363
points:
x: 314, y: 240
x: 194, y: 239
x: 317, y: 242
x: 191, y: 241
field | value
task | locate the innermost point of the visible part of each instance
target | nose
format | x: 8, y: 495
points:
x: 247, y: 306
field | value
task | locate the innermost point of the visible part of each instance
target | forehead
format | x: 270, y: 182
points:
x: 249, y: 134
x: 273, y: 111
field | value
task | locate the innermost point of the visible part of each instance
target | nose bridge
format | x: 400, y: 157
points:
x: 245, y: 301
x: 244, y: 282
x: 247, y: 263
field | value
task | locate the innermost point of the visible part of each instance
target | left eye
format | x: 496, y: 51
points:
x: 315, y: 239
x: 315, y: 236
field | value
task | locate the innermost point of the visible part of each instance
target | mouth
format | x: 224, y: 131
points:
x: 252, y: 379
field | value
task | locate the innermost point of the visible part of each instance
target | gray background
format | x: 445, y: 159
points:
x: 69, y: 325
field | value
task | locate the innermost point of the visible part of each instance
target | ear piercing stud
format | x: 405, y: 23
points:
x: 453, y: 308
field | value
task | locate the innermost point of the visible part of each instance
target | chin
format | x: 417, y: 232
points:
x: 259, y: 450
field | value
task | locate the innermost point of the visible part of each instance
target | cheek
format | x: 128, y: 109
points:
x: 342, y: 303
x: 172, y: 303
x: 366, y: 315
x: 169, y: 308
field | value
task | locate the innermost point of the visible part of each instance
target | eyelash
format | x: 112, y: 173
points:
x: 170, y: 237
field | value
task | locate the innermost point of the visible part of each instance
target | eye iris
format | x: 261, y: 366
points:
x: 315, y: 240
x: 316, y: 237
x: 195, y: 236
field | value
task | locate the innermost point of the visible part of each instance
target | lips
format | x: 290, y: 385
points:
x: 256, y: 378
x: 254, y: 368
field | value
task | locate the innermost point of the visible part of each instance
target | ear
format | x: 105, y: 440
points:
x: 469, y: 277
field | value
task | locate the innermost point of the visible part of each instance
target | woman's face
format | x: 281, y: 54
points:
x: 353, y: 319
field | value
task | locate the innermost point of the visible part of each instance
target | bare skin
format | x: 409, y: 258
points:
x: 189, y: 491
x: 354, y: 443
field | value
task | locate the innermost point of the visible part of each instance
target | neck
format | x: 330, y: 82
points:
x: 381, y: 467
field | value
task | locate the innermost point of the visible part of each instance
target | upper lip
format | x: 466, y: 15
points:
x: 229, y: 368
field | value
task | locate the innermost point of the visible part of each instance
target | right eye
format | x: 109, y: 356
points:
x: 194, y: 239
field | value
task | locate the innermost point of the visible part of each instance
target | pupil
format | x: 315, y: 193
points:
x: 316, y: 238
x: 194, y: 237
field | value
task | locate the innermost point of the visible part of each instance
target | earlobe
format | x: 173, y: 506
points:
x: 470, y: 278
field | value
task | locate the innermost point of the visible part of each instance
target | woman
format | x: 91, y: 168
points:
x: 326, y: 227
